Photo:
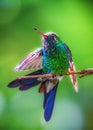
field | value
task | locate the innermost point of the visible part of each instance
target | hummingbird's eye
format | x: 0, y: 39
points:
x: 54, y: 38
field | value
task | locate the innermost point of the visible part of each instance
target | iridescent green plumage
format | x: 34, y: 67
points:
x: 56, y: 61
x: 56, y: 57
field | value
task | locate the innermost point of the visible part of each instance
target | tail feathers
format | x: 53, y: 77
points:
x: 42, y: 87
x: 25, y: 84
x: 49, y: 99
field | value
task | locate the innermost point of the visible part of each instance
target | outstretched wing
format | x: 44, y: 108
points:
x: 72, y: 68
x: 32, y: 61
x: 73, y: 76
x: 49, y: 99
x: 25, y: 84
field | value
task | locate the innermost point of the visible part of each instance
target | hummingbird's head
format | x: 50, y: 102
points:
x: 51, y: 37
x: 48, y: 39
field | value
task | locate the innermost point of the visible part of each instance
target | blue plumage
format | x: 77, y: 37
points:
x: 49, y: 99
x: 25, y: 84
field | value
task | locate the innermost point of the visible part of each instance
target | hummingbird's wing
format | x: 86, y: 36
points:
x: 49, y: 99
x: 72, y: 68
x: 31, y: 61
x: 73, y: 77
x: 25, y: 84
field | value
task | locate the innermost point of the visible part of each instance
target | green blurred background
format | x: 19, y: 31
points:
x: 72, y: 21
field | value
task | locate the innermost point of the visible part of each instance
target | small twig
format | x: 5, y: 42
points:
x: 86, y: 72
x: 82, y: 73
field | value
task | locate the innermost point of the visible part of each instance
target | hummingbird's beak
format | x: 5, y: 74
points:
x: 38, y: 31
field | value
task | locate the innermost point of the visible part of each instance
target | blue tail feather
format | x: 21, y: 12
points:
x: 49, y: 99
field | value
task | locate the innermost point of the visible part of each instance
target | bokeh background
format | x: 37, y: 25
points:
x: 73, y: 22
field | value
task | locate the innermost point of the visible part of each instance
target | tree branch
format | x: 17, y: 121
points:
x: 82, y: 73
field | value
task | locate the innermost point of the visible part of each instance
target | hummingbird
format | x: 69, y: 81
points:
x: 54, y: 57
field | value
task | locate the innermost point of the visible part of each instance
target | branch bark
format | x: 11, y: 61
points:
x: 83, y: 73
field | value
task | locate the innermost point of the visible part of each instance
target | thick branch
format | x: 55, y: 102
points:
x: 82, y: 73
